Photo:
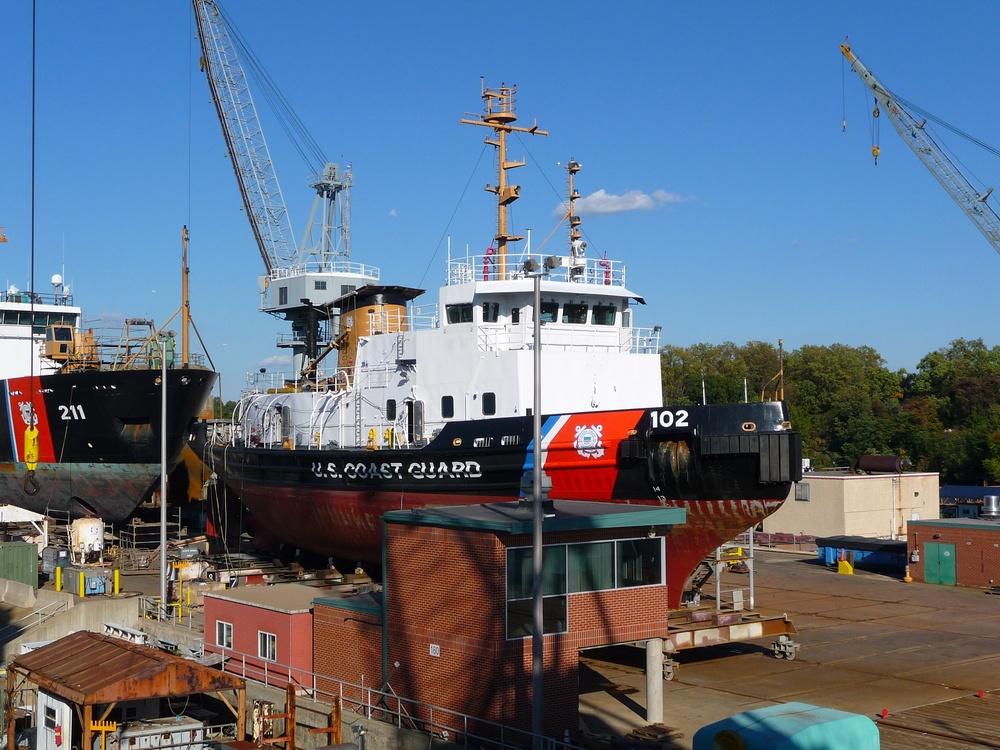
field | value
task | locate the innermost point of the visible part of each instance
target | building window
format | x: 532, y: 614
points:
x: 519, y: 593
x: 320, y: 285
x: 489, y: 404
x: 603, y: 315
x: 390, y: 410
x: 574, y: 312
x: 267, y: 646
x: 491, y: 312
x: 224, y: 634
x: 640, y: 562
x: 569, y: 569
x: 447, y: 407
x: 802, y: 491
x: 590, y: 567
x: 347, y: 288
x: 459, y: 313
x: 282, y: 295
x: 50, y: 717
x: 515, y: 315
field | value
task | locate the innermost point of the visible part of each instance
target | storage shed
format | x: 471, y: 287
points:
x: 95, y: 673
x: 955, y: 552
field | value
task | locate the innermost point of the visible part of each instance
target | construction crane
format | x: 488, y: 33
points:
x: 301, y: 281
x: 914, y: 132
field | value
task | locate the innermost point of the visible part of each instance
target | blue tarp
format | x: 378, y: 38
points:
x: 791, y: 726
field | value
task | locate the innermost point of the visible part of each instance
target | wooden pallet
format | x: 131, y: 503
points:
x: 654, y: 734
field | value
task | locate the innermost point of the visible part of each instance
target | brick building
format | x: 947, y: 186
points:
x: 955, y: 551
x: 457, y: 606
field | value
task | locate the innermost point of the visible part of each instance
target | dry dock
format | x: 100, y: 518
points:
x: 869, y: 643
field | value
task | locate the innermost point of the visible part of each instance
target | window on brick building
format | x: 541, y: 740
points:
x: 569, y: 569
x: 519, y: 591
x: 267, y: 646
x: 224, y: 634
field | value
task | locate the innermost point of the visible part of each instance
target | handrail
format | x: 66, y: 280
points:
x: 385, y: 706
x: 42, y: 614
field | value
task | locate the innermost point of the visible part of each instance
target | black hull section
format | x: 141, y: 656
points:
x: 739, y: 452
x: 99, y: 437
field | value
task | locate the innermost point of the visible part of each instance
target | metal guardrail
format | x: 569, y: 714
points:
x: 387, y: 706
x: 31, y: 620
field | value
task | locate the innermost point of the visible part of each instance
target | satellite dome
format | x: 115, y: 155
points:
x: 57, y: 280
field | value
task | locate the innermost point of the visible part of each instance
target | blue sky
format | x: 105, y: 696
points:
x: 752, y: 216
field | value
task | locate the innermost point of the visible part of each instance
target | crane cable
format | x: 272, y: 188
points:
x: 31, y: 485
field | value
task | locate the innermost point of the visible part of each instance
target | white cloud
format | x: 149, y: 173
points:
x: 603, y: 202
x: 392, y: 213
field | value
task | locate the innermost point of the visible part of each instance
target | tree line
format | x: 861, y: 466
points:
x: 944, y: 417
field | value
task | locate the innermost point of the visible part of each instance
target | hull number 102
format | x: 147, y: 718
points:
x: 668, y: 418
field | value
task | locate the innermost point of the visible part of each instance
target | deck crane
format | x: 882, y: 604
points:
x: 301, y: 281
x: 913, y: 131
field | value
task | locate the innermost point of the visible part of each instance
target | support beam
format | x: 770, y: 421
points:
x: 654, y: 681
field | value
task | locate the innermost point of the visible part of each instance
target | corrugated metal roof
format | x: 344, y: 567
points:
x: 87, y: 668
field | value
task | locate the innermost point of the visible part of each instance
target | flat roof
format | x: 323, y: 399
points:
x: 960, y: 523
x: 518, y: 517
x: 291, y: 598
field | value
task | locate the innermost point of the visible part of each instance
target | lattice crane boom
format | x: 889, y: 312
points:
x: 248, y: 150
x: 964, y: 193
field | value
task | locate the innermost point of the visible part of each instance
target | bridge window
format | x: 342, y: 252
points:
x: 491, y: 312
x: 489, y: 404
x: 459, y: 313
x: 550, y: 312
x: 574, y: 312
x: 320, y: 285
x: 390, y: 410
x: 603, y: 315
x: 515, y: 315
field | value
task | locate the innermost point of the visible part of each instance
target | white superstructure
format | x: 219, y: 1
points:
x: 27, y: 322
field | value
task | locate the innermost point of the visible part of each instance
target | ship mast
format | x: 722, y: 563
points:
x: 576, y: 244
x: 499, y: 117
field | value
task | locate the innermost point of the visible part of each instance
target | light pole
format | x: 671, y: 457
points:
x: 532, y: 268
x: 162, y: 341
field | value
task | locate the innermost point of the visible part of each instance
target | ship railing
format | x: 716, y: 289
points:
x: 582, y: 270
x: 331, y: 267
x: 370, y: 703
x: 39, y: 298
x: 641, y: 340
x: 424, y: 317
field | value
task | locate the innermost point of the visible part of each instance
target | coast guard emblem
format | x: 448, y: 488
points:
x: 588, y: 441
x: 26, y: 415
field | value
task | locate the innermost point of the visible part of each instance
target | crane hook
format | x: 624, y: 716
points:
x: 875, y: 153
x: 31, y: 485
